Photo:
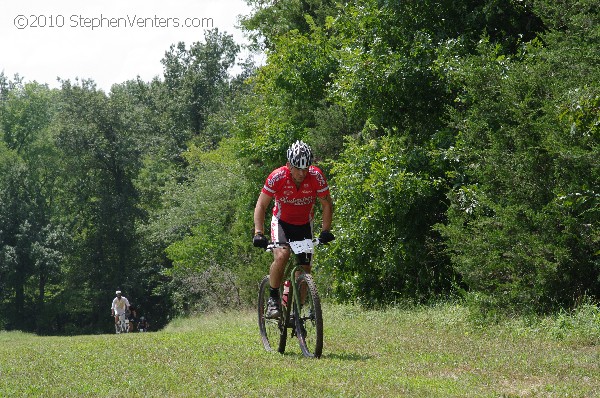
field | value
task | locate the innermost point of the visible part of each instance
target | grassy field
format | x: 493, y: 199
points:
x: 423, y: 352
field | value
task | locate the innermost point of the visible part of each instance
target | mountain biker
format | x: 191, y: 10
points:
x: 120, y: 305
x: 295, y: 188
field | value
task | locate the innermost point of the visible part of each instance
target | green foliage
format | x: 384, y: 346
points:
x: 302, y: 66
x: 32, y: 238
x: 389, y: 72
x: 385, y: 73
x: 208, y: 259
x: 25, y: 113
x: 99, y: 140
x: 460, y: 139
x: 577, y: 326
x: 386, y: 197
x: 271, y: 19
x: 522, y: 230
x: 195, y: 80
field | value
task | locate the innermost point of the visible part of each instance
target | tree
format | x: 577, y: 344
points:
x: 370, y: 78
x: 387, y: 196
x: 271, y: 19
x: 99, y: 141
x: 522, y: 224
x: 196, y: 81
x: 32, y: 237
x: 209, y: 263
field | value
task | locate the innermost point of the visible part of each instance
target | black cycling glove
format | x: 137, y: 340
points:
x: 260, y: 240
x: 325, y: 237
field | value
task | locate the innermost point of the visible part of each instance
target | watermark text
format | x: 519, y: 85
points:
x: 58, y: 21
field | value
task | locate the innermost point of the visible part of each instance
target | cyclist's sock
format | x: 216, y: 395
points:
x: 274, y: 292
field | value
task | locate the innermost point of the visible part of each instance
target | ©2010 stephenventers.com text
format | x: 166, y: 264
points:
x: 57, y: 21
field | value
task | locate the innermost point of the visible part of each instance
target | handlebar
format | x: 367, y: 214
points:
x: 301, y: 246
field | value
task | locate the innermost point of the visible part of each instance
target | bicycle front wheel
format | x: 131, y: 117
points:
x: 309, y: 318
x: 120, y: 327
x: 272, y: 331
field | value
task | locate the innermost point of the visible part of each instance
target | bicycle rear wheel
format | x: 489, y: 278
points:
x: 309, y: 318
x: 272, y: 331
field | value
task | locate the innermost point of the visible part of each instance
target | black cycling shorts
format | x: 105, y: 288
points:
x: 282, y: 231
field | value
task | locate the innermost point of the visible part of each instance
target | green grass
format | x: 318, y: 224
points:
x: 423, y: 352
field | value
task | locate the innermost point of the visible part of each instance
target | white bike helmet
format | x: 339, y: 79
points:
x: 299, y: 155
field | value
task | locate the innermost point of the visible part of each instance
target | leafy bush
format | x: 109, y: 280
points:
x: 522, y: 227
x: 387, y: 196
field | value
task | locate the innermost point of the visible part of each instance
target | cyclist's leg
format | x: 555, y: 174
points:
x: 275, y: 280
x: 281, y: 255
x: 307, y: 268
x: 299, y: 233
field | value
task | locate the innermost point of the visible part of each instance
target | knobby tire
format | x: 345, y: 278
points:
x: 272, y: 331
x: 121, y: 327
x: 309, y: 318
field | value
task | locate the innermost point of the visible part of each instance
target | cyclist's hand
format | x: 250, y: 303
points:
x: 260, y: 240
x: 325, y: 237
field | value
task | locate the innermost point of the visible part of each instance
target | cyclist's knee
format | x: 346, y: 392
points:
x: 281, y: 256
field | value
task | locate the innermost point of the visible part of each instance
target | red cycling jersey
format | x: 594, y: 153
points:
x: 295, y: 205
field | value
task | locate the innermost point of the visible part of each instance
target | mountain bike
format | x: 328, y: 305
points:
x: 122, y: 325
x: 300, y: 306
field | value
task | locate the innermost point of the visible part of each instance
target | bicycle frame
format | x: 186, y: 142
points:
x: 291, y: 272
x: 122, y: 325
x: 302, y: 301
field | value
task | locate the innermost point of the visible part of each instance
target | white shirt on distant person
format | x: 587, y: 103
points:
x: 119, y: 306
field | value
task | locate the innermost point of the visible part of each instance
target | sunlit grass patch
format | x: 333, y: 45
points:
x: 423, y: 351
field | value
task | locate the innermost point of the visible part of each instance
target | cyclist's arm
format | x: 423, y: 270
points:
x: 327, y: 212
x: 259, y: 212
